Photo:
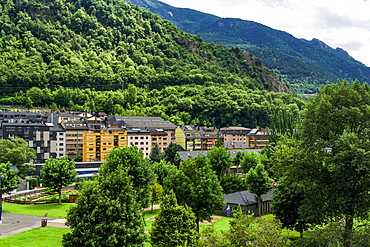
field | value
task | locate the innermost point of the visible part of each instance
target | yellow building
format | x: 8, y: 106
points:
x: 98, y: 144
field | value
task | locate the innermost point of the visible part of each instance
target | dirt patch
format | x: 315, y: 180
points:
x: 213, y: 219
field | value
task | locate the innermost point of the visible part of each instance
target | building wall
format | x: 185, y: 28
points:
x: 180, y: 138
x: 96, y: 146
x: 74, y: 143
x: 142, y: 141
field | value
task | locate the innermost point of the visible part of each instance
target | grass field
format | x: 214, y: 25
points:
x: 39, y: 237
x: 53, y: 210
x: 50, y: 236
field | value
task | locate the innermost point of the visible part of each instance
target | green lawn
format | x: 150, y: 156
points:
x: 53, y: 210
x: 39, y: 237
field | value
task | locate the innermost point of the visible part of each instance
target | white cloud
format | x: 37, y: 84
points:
x: 338, y: 23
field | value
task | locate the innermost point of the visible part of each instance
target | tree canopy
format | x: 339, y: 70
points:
x: 56, y: 174
x: 107, y: 213
x: 16, y: 151
x: 195, y: 184
x: 138, y: 168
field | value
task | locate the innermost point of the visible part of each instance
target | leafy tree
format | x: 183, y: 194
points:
x: 259, y: 183
x: 8, y: 181
x: 286, y: 202
x: 137, y: 167
x: 232, y: 183
x: 196, y: 185
x: 220, y: 160
x: 250, y: 160
x: 337, y: 108
x: 246, y: 231
x: 174, y: 225
x: 17, y: 152
x: 157, y: 192
x: 283, y: 122
x: 107, y: 213
x: 155, y: 154
x: 56, y: 174
x: 218, y: 142
x: 171, y: 152
x: 161, y: 170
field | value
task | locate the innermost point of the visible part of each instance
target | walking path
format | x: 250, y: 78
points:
x: 16, y: 223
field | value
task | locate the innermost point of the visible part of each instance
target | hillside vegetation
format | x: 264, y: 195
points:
x: 304, y: 65
x: 107, y: 45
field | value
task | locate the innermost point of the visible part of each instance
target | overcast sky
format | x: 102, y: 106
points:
x: 338, y: 23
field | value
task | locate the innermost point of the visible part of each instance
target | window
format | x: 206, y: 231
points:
x: 141, y: 137
x: 122, y: 137
x: 91, y: 149
x: 60, y: 144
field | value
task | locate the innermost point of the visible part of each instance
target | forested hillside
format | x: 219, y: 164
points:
x: 206, y: 105
x: 106, y: 45
x: 304, y: 65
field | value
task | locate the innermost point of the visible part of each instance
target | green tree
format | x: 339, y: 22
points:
x: 8, y: 181
x: 157, y: 192
x: 155, y: 154
x: 16, y: 151
x: 161, y: 170
x: 283, y: 121
x: 56, y: 174
x: 250, y: 160
x: 220, y: 160
x: 286, y: 202
x: 107, y: 213
x: 174, y: 225
x: 196, y: 185
x: 232, y: 183
x: 246, y: 231
x: 171, y: 152
x: 138, y: 168
x: 337, y: 108
x: 259, y: 183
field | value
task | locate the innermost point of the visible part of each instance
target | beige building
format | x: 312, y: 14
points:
x: 235, y: 136
x: 74, y: 137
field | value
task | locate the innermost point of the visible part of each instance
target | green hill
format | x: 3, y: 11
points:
x: 304, y: 65
x: 108, y: 44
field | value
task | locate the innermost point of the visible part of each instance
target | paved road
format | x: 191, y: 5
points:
x: 16, y: 223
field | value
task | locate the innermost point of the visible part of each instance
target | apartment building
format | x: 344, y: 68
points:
x: 258, y: 138
x: 196, y: 138
x: 46, y: 139
x: 141, y: 138
x: 98, y: 143
x: 74, y: 137
x: 161, y: 132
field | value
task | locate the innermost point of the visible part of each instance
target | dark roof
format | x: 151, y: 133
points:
x: 245, y: 197
x: 142, y: 122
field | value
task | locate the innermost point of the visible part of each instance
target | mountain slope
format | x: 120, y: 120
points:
x: 109, y: 44
x: 304, y: 65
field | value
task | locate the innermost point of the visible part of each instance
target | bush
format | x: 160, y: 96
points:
x: 33, y: 182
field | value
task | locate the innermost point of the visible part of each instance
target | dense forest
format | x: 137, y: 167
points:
x: 207, y: 105
x: 304, y: 65
x: 107, y: 45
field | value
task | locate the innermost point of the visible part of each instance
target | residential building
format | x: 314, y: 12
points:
x: 247, y: 201
x: 235, y: 137
x: 196, y: 138
x: 162, y: 132
x: 98, y: 143
x: 46, y: 139
x: 74, y: 137
x: 258, y: 138
x: 141, y: 138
